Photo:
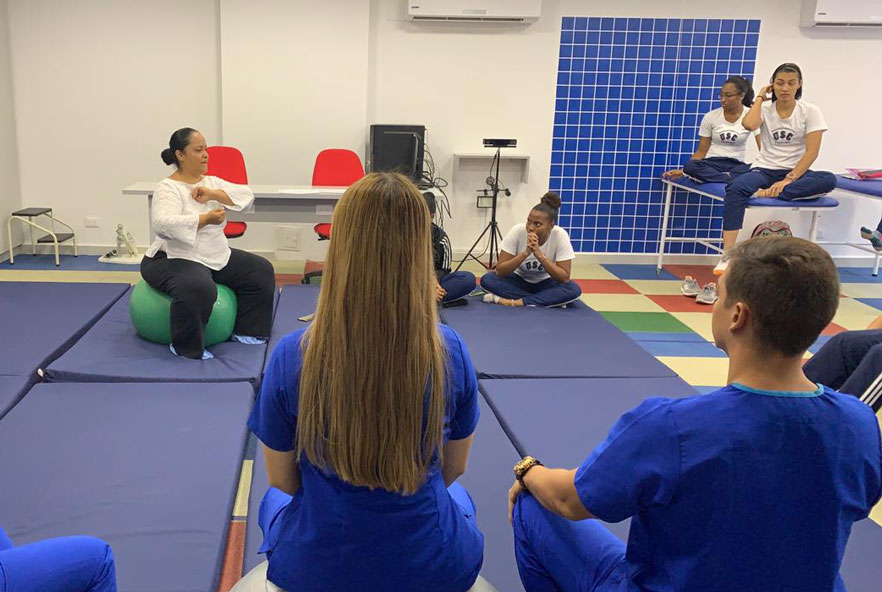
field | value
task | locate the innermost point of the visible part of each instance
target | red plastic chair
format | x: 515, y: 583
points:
x: 334, y: 167
x: 228, y: 163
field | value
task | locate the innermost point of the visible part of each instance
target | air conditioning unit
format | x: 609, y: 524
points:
x: 474, y: 11
x: 841, y: 13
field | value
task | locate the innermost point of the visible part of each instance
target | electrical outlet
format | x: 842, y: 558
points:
x: 288, y: 237
x: 92, y: 222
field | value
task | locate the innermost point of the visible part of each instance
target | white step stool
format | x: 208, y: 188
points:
x: 26, y: 216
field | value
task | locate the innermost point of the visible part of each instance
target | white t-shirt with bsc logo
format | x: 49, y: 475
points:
x: 728, y: 139
x: 784, y: 139
x: 557, y: 248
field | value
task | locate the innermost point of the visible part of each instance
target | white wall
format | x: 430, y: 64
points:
x: 10, y: 196
x: 99, y: 86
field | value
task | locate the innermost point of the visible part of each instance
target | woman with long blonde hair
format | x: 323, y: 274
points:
x: 367, y: 417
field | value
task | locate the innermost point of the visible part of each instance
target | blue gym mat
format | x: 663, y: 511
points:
x: 294, y: 302
x: 43, y: 319
x: 719, y: 189
x: 153, y: 471
x: 12, y: 389
x: 528, y: 342
x: 111, y: 351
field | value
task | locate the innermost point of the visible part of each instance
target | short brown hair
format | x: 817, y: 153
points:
x: 791, y: 286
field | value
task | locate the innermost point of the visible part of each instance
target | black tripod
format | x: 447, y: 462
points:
x: 492, y: 226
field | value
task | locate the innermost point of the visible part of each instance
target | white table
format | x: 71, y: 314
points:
x: 269, y: 200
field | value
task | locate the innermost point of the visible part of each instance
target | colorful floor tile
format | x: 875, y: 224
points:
x: 680, y: 303
x: 653, y: 322
x: 606, y: 287
x: 862, y: 290
x: 621, y: 303
x: 703, y: 274
x: 638, y: 272
x: 653, y: 287
x: 874, y: 302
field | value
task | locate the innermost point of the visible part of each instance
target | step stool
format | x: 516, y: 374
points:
x: 26, y: 216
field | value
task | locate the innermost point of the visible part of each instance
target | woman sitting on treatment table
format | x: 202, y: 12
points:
x: 367, y: 418
x: 190, y: 254
x: 534, y: 262
x: 720, y: 154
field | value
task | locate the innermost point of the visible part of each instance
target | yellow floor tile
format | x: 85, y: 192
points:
x: 240, y: 506
x: 862, y: 290
x: 472, y: 266
x: 621, y: 303
x: 288, y: 266
x: 591, y: 271
x: 699, y: 371
x: 700, y: 322
x: 33, y: 275
x: 854, y: 315
x: 656, y: 287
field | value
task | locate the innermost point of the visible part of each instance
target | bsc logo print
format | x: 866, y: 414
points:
x: 783, y: 135
x: 534, y: 266
x: 728, y: 137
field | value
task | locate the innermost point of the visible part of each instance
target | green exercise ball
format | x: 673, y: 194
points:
x: 150, y: 308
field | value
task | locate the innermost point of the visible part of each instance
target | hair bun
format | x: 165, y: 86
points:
x: 168, y: 156
x: 551, y: 199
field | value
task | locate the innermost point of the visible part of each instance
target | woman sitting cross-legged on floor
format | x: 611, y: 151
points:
x: 535, y: 262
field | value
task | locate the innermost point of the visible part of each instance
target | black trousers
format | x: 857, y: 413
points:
x: 849, y: 363
x: 193, y: 290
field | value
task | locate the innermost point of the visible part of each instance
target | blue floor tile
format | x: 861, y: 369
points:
x: 851, y: 275
x: 626, y: 271
x: 874, y: 302
x: 682, y: 349
x: 822, y: 339
x: 68, y: 262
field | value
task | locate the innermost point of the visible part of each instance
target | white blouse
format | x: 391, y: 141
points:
x: 176, y: 221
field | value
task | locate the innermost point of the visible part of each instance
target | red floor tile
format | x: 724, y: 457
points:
x: 233, y: 560
x: 605, y: 287
x: 833, y: 329
x: 679, y: 303
x: 313, y: 266
x: 288, y: 278
x: 702, y: 273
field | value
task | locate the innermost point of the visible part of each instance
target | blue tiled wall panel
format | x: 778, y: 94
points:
x: 631, y: 93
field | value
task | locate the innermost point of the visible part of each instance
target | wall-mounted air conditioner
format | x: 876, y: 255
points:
x: 474, y: 11
x: 841, y: 13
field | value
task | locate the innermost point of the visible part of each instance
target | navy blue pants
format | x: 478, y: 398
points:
x: 458, y: 284
x: 716, y: 169
x: 879, y: 226
x: 740, y: 189
x: 548, y: 292
x: 849, y: 362
x: 67, y: 564
x: 558, y: 555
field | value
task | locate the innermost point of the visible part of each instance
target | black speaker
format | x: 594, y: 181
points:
x: 397, y: 148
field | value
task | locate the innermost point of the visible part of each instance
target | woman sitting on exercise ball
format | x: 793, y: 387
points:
x: 190, y: 254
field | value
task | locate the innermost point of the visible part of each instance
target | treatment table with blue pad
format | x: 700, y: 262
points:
x: 717, y: 192
x: 151, y: 470
x: 573, y: 342
x: 295, y: 302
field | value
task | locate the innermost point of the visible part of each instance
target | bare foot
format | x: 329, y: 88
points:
x: 762, y: 193
x: 508, y: 302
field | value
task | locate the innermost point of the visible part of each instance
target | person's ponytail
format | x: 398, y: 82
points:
x: 178, y: 141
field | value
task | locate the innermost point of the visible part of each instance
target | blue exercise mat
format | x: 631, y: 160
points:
x: 111, y: 351
x: 861, y: 568
x: 529, y: 342
x: 719, y: 189
x: 41, y: 320
x: 869, y: 187
x: 153, y: 471
x: 12, y: 389
x: 295, y: 302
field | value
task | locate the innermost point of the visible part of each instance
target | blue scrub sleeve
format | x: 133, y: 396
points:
x: 636, y: 468
x: 464, y: 387
x: 5, y: 541
x: 274, y: 417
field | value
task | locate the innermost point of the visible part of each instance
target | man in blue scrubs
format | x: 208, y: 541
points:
x: 752, y: 487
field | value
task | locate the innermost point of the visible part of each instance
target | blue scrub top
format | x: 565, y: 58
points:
x: 336, y: 536
x: 738, y: 489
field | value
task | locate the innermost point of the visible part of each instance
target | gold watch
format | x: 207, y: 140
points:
x: 524, y: 465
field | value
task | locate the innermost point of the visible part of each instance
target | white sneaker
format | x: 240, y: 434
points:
x: 708, y: 294
x: 721, y: 267
x: 690, y: 287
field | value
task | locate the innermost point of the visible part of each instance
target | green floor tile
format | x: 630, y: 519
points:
x: 653, y: 322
